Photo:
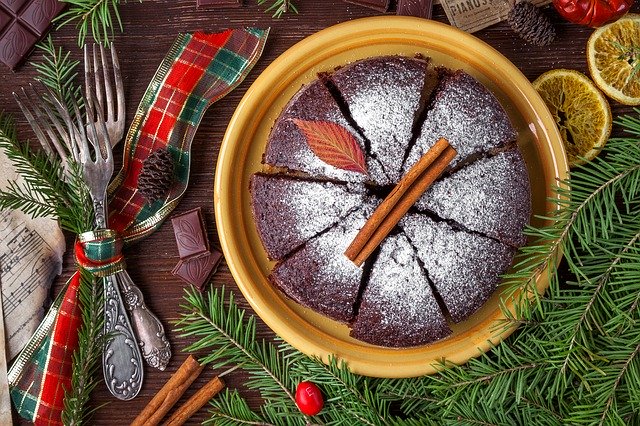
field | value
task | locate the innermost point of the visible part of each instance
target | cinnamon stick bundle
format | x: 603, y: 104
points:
x: 196, y: 402
x: 412, y: 185
x: 170, y: 393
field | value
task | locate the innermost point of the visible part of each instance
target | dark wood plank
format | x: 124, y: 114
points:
x: 149, y: 29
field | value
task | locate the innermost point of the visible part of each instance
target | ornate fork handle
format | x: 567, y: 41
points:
x: 121, y: 358
x: 147, y: 327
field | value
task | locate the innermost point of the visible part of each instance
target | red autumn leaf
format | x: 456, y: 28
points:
x: 333, y: 144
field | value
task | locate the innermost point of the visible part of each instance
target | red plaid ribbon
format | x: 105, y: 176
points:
x: 198, y: 70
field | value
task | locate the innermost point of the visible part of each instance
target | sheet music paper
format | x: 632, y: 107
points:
x: 5, y: 397
x: 30, y: 257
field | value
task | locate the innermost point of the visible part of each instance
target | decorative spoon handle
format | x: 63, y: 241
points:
x: 147, y: 327
x: 121, y: 358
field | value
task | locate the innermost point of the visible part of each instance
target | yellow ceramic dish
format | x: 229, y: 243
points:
x: 245, y: 141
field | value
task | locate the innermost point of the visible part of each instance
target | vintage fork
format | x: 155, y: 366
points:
x: 121, y: 357
x: 100, y: 87
x: 50, y: 132
x: 155, y: 347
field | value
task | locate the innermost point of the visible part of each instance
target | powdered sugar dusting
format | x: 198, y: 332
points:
x: 491, y: 196
x: 319, y: 275
x: 466, y: 114
x: 465, y: 268
x: 398, y: 307
x: 383, y: 95
x: 287, y: 146
x: 298, y: 208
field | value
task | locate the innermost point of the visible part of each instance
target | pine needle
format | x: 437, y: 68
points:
x: 279, y: 7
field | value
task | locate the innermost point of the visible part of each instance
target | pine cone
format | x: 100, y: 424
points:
x: 531, y: 24
x: 156, y: 176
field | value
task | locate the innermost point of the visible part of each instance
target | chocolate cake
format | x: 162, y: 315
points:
x: 444, y: 259
x: 319, y: 276
x: 464, y: 267
x: 491, y: 196
x: 466, y: 114
x: 384, y: 96
x: 299, y: 208
x: 287, y: 146
x: 398, y: 307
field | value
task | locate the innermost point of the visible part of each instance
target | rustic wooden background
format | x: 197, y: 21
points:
x: 149, y: 29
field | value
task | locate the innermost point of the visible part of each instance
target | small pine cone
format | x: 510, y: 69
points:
x: 531, y: 24
x: 156, y: 176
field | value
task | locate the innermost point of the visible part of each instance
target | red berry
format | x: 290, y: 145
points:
x: 309, y: 398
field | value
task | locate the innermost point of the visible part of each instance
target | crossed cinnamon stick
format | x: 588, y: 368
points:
x: 412, y: 185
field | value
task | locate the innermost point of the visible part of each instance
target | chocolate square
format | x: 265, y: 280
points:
x: 191, y: 234
x: 15, y: 44
x: 379, y: 5
x: 13, y: 5
x: 4, y: 20
x: 39, y: 14
x: 417, y: 8
x: 197, y: 271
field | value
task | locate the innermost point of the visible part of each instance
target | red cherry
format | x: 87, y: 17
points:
x: 309, y: 398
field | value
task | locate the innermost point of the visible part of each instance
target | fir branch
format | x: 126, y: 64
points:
x: 222, y: 330
x: 279, y: 7
x: 58, y: 72
x: 230, y: 409
x: 86, y: 359
x: 95, y: 18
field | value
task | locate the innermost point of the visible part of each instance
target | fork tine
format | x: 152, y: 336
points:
x: 81, y: 139
x: 44, y: 142
x: 97, y: 68
x: 119, y: 91
x: 108, y: 91
x: 88, y: 75
x: 102, y: 145
x: 72, y: 146
x: 61, y: 134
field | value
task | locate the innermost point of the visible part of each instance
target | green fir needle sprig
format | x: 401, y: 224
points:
x: 574, y: 360
x: 48, y: 192
x: 279, y: 7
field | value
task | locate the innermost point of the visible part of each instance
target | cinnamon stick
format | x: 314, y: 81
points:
x: 196, y: 402
x: 412, y: 185
x: 170, y: 393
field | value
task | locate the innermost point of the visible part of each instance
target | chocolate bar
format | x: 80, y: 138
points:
x: 22, y: 24
x: 191, y: 233
x: 379, y: 5
x: 218, y: 3
x: 417, y: 8
x: 197, y: 271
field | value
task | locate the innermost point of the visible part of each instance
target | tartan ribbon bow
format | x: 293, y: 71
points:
x: 100, y: 252
x: 198, y: 70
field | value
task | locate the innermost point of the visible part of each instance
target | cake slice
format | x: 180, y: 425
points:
x: 491, y: 196
x: 468, y: 115
x: 384, y: 96
x: 319, y: 275
x: 287, y: 145
x: 398, y: 307
x: 464, y: 268
x: 288, y: 211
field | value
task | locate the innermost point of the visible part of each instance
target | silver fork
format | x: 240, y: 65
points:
x: 99, y: 88
x: 121, y: 357
x: 155, y: 347
x: 49, y: 131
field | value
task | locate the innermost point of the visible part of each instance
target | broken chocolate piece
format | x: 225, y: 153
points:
x: 379, y: 5
x: 417, y: 8
x: 197, y: 271
x: 22, y: 24
x: 191, y: 234
x: 218, y: 3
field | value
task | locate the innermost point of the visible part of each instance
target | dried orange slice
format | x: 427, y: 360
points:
x: 613, y: 54
x: 581, y: 111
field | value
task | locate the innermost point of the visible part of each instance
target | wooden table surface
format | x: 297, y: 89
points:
x: 149, y: 29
